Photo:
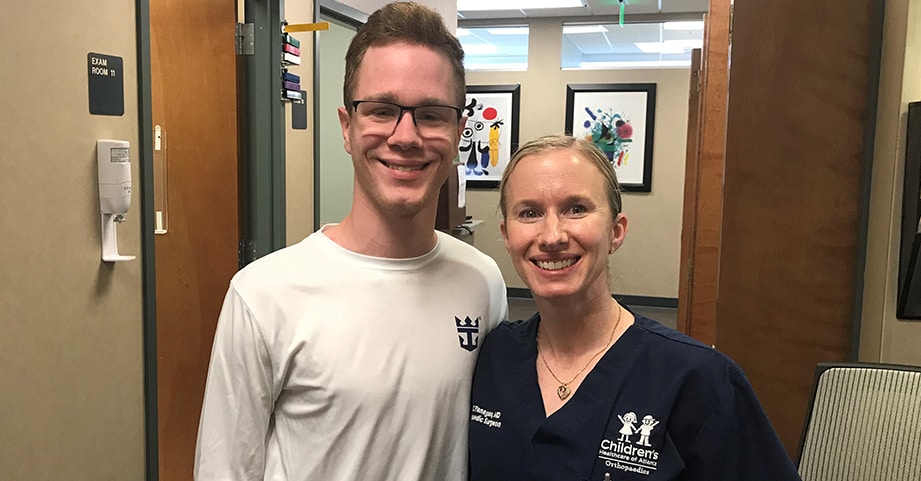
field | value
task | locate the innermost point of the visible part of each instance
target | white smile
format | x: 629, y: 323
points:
x: 404, y: 168
x: 555, y: 265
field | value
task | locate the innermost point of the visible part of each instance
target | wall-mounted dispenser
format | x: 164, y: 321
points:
x: 114, y: 162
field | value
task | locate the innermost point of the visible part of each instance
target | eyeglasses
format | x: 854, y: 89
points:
x: 382, y: 118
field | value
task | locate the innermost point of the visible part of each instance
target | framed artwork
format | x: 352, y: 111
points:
x: 909, y: 297
x: 491, y: 134
x: 620, y: 120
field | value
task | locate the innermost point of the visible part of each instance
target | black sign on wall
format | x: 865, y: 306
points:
x: 106, y: 84
x: 299, y: 113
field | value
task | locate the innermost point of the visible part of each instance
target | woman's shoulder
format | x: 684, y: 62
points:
x: 683, y: 351
x: 517, y: 332
x: 666, y: 334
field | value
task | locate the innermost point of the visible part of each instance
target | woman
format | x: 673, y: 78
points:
x: 586, y: 389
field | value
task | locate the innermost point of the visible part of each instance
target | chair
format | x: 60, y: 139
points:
x: 863, y: 424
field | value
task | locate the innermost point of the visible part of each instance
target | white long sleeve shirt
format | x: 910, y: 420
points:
x: 329, y: 365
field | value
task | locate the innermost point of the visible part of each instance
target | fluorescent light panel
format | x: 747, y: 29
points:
x: 480, y: 5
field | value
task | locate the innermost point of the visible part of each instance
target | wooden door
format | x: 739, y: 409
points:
x: 798, y: 146
x: 194, y: 101
x: 700, y: 238
x: 689, y: 209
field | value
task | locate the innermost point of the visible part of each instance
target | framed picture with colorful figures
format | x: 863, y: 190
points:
x: 620, y: 120
x: 491, y: 134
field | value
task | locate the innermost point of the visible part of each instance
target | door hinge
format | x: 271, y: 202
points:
x: 731, y: 15
x: 246, y: 252
x: 245, y: 35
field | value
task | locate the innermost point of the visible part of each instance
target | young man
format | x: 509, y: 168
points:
x: 349, y: 355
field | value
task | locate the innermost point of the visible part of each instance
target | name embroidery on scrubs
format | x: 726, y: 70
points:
x: 468, y: 331
x: 632, y: 451
x: 487, y: 418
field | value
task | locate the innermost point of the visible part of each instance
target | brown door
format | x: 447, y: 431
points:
x: 700, y: 236
x: 689, y: 211
x: 194, y: 92
x: 797, y: 145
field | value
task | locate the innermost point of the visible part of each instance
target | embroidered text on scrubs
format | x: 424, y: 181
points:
x: 487, y: 418
x: 627, y: 457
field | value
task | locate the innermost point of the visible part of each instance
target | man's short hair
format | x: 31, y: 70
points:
x: 410, y: 23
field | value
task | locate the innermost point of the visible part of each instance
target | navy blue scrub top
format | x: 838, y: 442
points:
x: 657, y: 406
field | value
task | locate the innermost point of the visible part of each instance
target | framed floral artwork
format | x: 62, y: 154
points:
x: 620, y: 120
x: 491, y: 134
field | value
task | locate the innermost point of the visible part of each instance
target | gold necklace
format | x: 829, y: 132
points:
x: 563, y: 390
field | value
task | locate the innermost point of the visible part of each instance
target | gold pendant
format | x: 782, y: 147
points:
x: 563, y: 391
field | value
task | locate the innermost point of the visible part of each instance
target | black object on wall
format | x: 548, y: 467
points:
x: 909, y: 298
x: 449, y: 215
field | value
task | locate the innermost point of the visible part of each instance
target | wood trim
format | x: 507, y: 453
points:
x: 689, y: 223
x: 703, y: 249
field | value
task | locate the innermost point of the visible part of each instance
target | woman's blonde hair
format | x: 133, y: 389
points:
x: 584, y: 147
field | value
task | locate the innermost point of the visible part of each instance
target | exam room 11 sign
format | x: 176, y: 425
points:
x: 106, y: 84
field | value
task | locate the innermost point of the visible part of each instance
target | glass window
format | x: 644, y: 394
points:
x: 635, y: 45
x: 495, y: 48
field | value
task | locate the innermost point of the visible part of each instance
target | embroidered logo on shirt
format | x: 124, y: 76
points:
x: 487, y: 418
x: 623, y: 454
x: 468, y: 332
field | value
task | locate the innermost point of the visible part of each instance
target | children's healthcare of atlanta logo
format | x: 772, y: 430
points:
x: 632, y: 451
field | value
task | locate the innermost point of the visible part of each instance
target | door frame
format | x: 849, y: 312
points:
x: 148, y: 258
x: 348, y: 16
x: 262, y: 189
x: 262, y: 184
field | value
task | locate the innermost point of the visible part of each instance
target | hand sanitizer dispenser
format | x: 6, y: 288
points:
x: 114, y: 162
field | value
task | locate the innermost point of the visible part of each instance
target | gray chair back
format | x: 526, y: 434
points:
x: 864, y: 424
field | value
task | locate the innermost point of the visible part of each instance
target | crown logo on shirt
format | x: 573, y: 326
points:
x: 468, y: 331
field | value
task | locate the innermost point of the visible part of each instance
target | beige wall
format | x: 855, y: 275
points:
x: 883, y: 337
x: 299, y: 143
x: 71, y: 349
x: 71, y: 374
x: 647, y: 264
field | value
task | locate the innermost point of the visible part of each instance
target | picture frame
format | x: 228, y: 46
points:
x: 908, y: 306
x: 491, y: 135
x: 620, y: 120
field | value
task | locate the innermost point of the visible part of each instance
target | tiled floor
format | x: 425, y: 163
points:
x: 520, y: 308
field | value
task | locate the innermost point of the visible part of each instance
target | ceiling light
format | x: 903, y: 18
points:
x: 480, y: 5
x: 583, y: 29
x: 698, y: 25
